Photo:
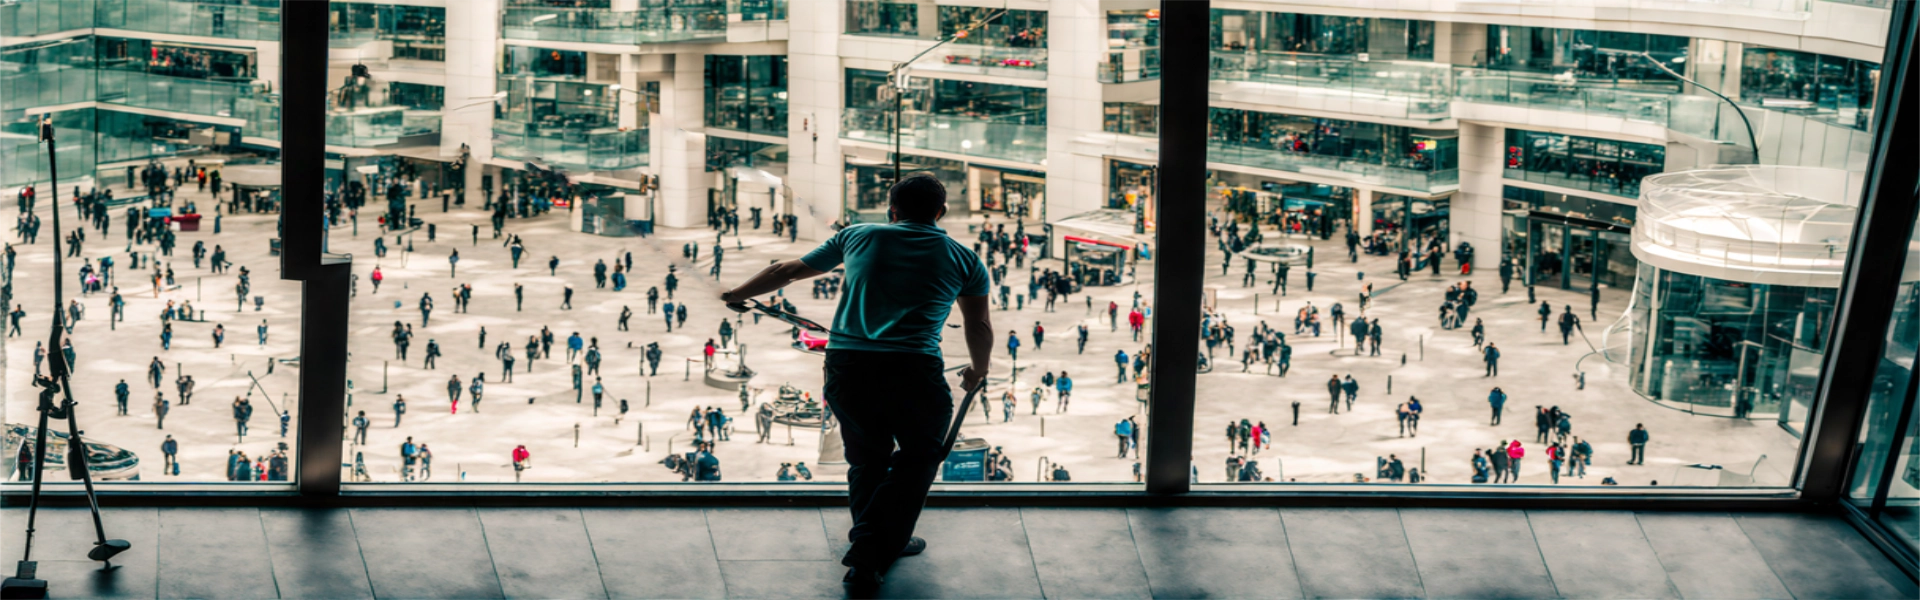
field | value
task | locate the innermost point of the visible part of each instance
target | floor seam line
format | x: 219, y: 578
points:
x: 1399, y: 517
x: 260, y: 517
x: 1295, y: 561
x: 492, y: 561
x: 1763, y: 556
x: 362, y: 549
x: 1021, y: 512
x: 1541, y: 552
x: 594, y: 552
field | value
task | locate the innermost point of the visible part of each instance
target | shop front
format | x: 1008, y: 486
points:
x: 1092, y: 262
x: 1568, y: 242
x: 1411, y: 222
x: 868, y: 179
x: 1013, y: 193
x: 1130, y: 186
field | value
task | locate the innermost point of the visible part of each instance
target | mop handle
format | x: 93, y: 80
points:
x: 966, y: 403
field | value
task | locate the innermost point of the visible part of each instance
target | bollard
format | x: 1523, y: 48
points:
x: 576, y: 435
x: 1403, y: 359
x: 639, y: 432
x: 1389, y: 385
x: 1043, y: 427
x: 649, y: 394
x: 1423, y: 347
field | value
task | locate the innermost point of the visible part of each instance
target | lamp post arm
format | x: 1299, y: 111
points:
x: 1751, y: 140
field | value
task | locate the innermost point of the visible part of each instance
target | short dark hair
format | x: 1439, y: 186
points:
x: 918, y: 197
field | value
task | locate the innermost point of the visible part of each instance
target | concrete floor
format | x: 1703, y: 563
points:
x: 1009, y: 552
x: 474, y: 446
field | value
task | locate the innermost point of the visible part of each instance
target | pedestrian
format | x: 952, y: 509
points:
x: 169, y: 454
x: 360, y: 424
x: 1334, y: 389
x: 1638, y: 440
x: 1496, y: 400
x: 1063, y: 392
x: 399, y: 410
x: 1501, y: 463
x: 891, y: 395
x: 1514, y: 453
x: 160, y: 408
x: 1492, y: 356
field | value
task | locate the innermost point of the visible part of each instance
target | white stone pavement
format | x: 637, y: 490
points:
x: 1537, y: 369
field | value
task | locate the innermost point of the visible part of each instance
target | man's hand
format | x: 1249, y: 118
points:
x: 970, y: 377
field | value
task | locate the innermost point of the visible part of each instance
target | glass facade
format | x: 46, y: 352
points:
x: 945, y: 115
x: 1292, y: 183
x: 1390, y: 155
x: 1133, y: 46
x: 1729, y: 348
x: 1609, y: 55
x: 1829, y: 88
x: 417, y: 32
x: 595, y: 21
x: 747, y: 93
x: 1582, y: 163
x: 881, y: 18
x: 552, y: 113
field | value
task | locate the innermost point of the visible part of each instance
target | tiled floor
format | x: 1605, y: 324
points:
x: 974, y: 553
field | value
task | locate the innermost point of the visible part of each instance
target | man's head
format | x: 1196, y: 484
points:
x: 918, y: 197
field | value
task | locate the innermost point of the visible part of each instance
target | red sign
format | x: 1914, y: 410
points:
x: 1073, y: 238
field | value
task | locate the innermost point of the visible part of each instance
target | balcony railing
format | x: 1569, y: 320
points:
x: 756, y: 10
x: 579, y: 149
x: 1399, y: 88
x: 261, y: 112
x: 1025, y: 63
x: 207, y: 97
x: 606, y: 26
x: 232, y: 19
x: 1692, y: 115
x: 1332, y: 166
x: 1147, y: 67
x: 1002, y: 139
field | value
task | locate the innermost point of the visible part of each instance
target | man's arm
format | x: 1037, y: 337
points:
x: 774, y: 277
x: 978, y: 320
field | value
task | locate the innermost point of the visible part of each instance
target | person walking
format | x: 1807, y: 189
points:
x: 1496, y: 400
x: 399, y: 410
x: 884, y: 367
x: 1546, y: 315
x: 1501, y: 464
x: 1492, y: 356
x: 160, y: 408
x: 1352, y: 390
x: 1568, y: 323
x: 360, y: 424
x: 120, y: 394
x: 169, y: 454
x: 1063, y: 392
x: 1120, y: 362
x: 1638, y: 440
x: 1515, y: 452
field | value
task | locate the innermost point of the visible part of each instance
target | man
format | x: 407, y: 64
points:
x: 1497, y: 400
x: 1568, y: 323
x: 1120, y: 361
x: 883, y: 366
x: 360, y: 424
x: 1638, y: 439
x: 1334, y: 390
x: 120, y: 393
x: 169, y: 450
x: 1492, y: 356
x: 1013, y: 346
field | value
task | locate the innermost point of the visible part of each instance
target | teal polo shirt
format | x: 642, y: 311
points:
x: 902, y: 280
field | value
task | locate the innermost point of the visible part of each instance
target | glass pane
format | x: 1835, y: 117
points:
x: 184, y: 337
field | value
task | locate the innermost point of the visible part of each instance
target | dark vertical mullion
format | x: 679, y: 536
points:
x: 324, y: 307
x: 1868, y: 295
x: 1180, y: 245
x: 1884, y: 479
x: 323, y: 297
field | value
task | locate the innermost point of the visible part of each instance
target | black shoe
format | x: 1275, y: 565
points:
x: 862, y: 582
x: 915, y: 546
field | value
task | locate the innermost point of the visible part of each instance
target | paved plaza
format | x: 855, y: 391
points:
x: 569, y: 442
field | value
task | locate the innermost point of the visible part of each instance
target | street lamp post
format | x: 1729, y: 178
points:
x: 897, y: 79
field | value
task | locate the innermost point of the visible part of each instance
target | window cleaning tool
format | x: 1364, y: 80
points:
x: 24, y: 583
x: 808, y: 325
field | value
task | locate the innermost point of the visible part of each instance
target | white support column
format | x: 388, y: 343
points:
x: 1475, y: 213
x: 815, y: 163
x: 1076, y: 44
x: 1459, y: 43
x: 473, y: 44
x: 1363, y: 211
x: 680, y: 150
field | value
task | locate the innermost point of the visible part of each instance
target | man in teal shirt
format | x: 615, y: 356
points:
x: 884, y: 370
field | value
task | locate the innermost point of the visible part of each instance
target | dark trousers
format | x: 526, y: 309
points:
x: 1639, y: 455
x: 880, y: 399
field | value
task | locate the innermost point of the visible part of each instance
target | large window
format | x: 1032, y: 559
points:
x: 1582, y: 163
x: 1584, y: 53
x: 1830, y: 88
x: 1378, y: 39
x: 883, y: 18
x: 747, y: 93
